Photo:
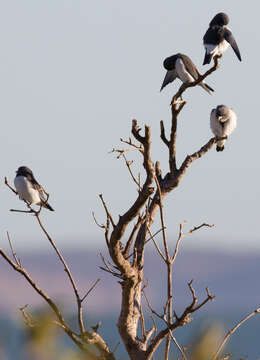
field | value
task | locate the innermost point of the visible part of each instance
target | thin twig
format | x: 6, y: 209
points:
x: 107, y: 268
x: 106, y: 210
x: 151, y: 309
x: 67, y: 270
x: 167, y: 256
x: 102, y: 226
x: 182, y: 235
x: 230, y: 332
x: 130, y: 142
x: 23, y: 211
x: 128, y: 165
x: 54, y: 307
x: 10, y: 187
x: 197, y: 228
x: 177, y: 243
x: 27, y: 317
x: 17, y: 260
x: 89, y: 291
x: 178, y: 346
x: 115, y: 348
x: 149, y: 239
x: 156, y: 245
x: 168, y: 263
x: 154, y: 325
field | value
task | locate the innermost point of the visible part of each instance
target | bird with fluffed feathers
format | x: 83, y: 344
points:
x: 223, y: 121
x: 29, y: 189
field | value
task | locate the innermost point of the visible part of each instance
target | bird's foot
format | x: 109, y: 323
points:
x: 177, y: 101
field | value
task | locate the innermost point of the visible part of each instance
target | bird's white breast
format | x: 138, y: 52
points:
x: 226, y: 128
x: 26, y: 191
x: 217, y: 49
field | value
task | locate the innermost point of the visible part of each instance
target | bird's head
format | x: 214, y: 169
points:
x: 220, y: 19
x: 23, y: 171
x: 222, y: 113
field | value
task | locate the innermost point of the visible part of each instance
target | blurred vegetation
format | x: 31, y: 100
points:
x: 44, y: 338
x: 41, y: 339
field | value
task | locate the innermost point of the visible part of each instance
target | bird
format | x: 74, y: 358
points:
x: 218, y: 37
x: 29, y: 189
x: 223, y: 122
x: 180, y: 66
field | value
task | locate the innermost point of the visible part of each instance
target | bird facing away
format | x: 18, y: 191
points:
x: 180, y: 66
x: 218, y: 37
x: 223, y: 122
x: 29, y: 189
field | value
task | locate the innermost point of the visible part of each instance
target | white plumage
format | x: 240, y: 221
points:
x: 223, y: 122
x: 216, y: 49
x: 26, y: 191
x: 182, y: 73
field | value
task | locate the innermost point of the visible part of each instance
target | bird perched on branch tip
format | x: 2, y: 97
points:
x: 218, y: 37
x: 29, y: 189
x: 180, y: 66
x: 223, y: 122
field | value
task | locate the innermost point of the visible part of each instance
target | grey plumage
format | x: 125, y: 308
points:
x: 180, y: 66
x: 218, y: 38
x: 29, y: 189
x: 223, y: 122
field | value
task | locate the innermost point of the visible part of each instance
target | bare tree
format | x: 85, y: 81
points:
x: 127, y: 254
x: 149, y: 200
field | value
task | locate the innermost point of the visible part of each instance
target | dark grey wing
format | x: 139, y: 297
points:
x: 169, y: 77
x: 38, y: 187
x: 231, y: 40
x: 190, y: 67
x: 33, y: 181
x: 214, y: 35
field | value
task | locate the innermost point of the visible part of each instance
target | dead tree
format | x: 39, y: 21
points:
x: 127, y: 255
x: 148, y: 202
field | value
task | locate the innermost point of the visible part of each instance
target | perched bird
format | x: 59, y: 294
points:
x: 180, y: 66
x: 28, y: 188
x: 218, y: 37
x: 223, y: 122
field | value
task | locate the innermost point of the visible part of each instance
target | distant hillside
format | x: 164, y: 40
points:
x: 232, y: 278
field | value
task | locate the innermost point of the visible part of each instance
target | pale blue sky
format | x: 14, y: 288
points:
x: 73, y: 74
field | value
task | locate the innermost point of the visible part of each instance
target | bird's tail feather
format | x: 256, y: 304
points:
x: 220, y: 145
x: 47, y: 206
x: 220, y: 148
x: 207, y: 87
x: 207, y: 58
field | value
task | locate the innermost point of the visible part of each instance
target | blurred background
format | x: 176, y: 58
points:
x: 73, y: 76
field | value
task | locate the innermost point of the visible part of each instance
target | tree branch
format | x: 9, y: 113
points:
x: 196, y: 155
x: 230, y: 332
x: 67, y: 270
x: 54, y: 307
